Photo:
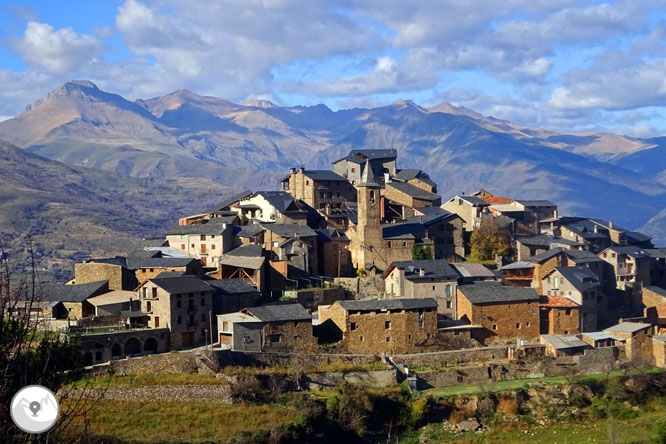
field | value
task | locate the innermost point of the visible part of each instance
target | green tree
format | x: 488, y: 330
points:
x: 421, y: 252
x: 490, y: 240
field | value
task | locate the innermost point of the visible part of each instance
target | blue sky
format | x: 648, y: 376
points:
x: 572, y: 66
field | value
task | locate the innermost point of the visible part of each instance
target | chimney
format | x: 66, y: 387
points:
x: 301, y: 170
x: 610, y: 224
x: 596, y: 228
x: 328, y: 209
x: 422, y: 272
x: 224, y: 226
x: 292, y: 170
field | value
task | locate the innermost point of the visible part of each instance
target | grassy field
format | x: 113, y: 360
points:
x: 604, y: 431
x: 166, y: 422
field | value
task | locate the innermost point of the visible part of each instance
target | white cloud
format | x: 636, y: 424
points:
x: 57, y: 50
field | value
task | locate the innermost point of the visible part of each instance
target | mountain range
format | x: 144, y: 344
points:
x: 208, y: 142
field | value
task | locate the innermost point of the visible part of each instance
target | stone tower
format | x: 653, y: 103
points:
x: 368, y: 242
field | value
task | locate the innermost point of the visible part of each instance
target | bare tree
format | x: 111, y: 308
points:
x: 29, y: 354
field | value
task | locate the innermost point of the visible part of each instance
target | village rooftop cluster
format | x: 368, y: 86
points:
x: 368, y: 259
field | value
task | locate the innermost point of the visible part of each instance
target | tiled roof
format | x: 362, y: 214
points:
x: 497, y: 200
x: 556, y: 301
x: 493, y: 292
x: 388, y: 304
x: 280, y: 313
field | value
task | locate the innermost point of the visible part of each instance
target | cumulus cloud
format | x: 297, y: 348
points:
x: 57, y: 50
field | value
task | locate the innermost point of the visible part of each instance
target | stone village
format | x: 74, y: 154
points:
x: 367, y: 260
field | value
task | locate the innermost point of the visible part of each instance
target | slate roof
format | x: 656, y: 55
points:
x: 388, y: 304
x: 212, y: 227
x: 113, y: 297
x: 660, y: 291
x: 473, y: 200
x: 657, y: 253
x: 140, y: 255
x: 582, y: 278
x: 600, y: 335
x: 251, y: 250
x: 563, y: 342
x: 635, y: 236
x: 181, y: 284
x: 630, y: 250
x: 431, y: 217
x: 166, y: 274
x: 518, y: 265
x: 350, y: 214
x: 472, y: 270
x: 369, y: 154
x: 328, y: 235
x: 324, y: 175
x: 71, y: 293
x: 407, y: 175
x: 627, y: 327
x: 230, y: 200
x: 290, y: 230
x: 118, y: 260
x: 280, y: 313
x: 543, y: 240
x: 281, y: 200
x: 578, y: 256
x: 536, y: 203
x: 490, y: 292
x: 249, y: 230
x: 434, y: 269
x: 231, y: 286
x: 252, y: 263
x: 165, y: 262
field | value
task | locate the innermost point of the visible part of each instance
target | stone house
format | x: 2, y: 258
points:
x: 508, y: 312
x: 206, y: 241
x: 353, y: 166
x: 600, y: 339
x: 472, y: 210
x: 383, y: 325
x: 154, y: 266
x: 659, y: 351
x: 295, y: 244
x: 558, y: 315
x: 114, y: 302
x: 334, y: 254
x: 410, y: 196
x: 222, y: 210
x: 563, y: 345
x: 491, y: 198
x: 182, y: 304
x: 423, y: 279
x: 581, y: 285
x: 652, y: 296
x: 319, y: 188
x: 636, y: 336
x: 525, y: 247
x: 232, y: 295
x: 626, y: 267
x: 246, y: 262
x: 71, y: 301
x: 114, y: 270
x: 416, y: 178
x: 545, y: 262
x: 518, y: 274
x: 283, y: 327
x: 658, y: 275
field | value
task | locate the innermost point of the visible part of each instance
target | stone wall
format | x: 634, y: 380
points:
x: 324, y: 381
x: 312, y: 299
x: 103, y: 347
x: 100, y: 321
x: 362, y: 287
x: 453, y: 357
x: 119, y: 278
x: 176, y: 362
x: 301, y: 360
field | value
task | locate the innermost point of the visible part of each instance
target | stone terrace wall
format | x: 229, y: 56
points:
x: 323, y: 381
x: 178, y: 362
x: 453, y: 357
x: 262, y: 359
x: 371, y: 286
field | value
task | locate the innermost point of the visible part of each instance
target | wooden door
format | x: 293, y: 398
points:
x: 187, y: 338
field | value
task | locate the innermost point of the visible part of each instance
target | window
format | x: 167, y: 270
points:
x: 179, y: 320
x: 389, y: 244
x: 372, y: 195
x: 148, y: 306
x: 178, y: 304
x: 212, y: 247
x: 495, y: 327
x: 182, y: 246
x: 212, y: 236
x: 157, y: 321
x: 352, y: 326
x: 518, y: 325
x: 449, y: 304
x: 307, y: 182
x: 152, y: 270
x: 527, y: 324
x: 203, y: 317
x: 388, y: 339
x: 322, y: 195
x: 274, y: 338
x: 192, y: 245
x: 409, y: 336
x: 404, y: 244
x: 447, y: 291
x: 387, y: 325
x: 203, y: 237
x: 353, y: 170
x: 360, y: 338
x: 145, y: 292
x: 155, y: 292
x: 434, y: 287
x: 203, y: 302
x: 338, y: 194
x: 421, y: 320
x: 566, y: 332
x: 567, y: 312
